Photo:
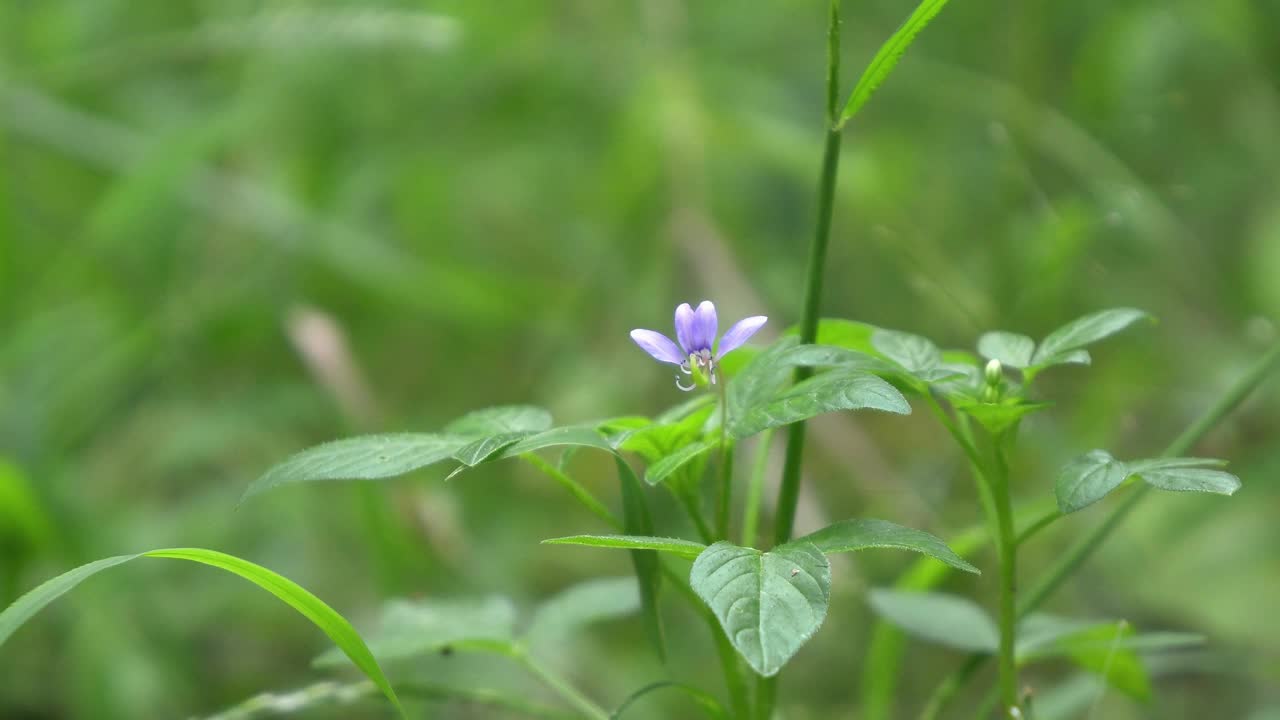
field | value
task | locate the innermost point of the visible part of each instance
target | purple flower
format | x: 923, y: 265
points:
x: 696, y: 331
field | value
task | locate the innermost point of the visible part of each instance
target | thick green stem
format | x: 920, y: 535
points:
x: 725, y: 487
x: 1007, y: 545
x: 789, y: 492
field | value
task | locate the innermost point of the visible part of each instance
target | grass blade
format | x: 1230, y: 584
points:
x: 887, y: 57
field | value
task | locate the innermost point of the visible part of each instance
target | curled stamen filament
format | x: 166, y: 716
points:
x: 682, y: 387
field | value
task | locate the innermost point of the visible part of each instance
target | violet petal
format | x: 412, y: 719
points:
x: 739, y: 333
x: 685, y: 327
x: 704, y: 326
x: 659, y: 346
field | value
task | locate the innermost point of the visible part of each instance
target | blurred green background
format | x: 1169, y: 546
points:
x: 232, y: 229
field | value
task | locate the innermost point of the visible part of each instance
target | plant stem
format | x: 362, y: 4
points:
x: 725, y: 488
x: 562, y: 687
x: 755, y: 489
x: 1007, y: 545
x: 766, y: 694
x: 789, y: 492
x: 739, y: 700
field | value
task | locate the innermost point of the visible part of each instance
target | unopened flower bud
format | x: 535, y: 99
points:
x: 994, y: 372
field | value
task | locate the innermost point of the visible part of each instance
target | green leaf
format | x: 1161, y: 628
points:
x: 637, y: 521
x: 997, y: 417
x: 1087, y: 479
x: 1058, y: 347
x: 500, y: 420
x: 663, y: 469
x: 412, y: 628
x: 570, y: 436
x: 828, y: 392
x: 564, y: 614
x: 948, y: 620
x: 1168, y: 463
x: 1192, y: 480
x: 761, y: 378
x: 1011, y: 349
x: 1101, y: 650
x: 913, y: 352
x: 863, y: 533
x: 294, y: 595
x: 769, y: 604
x: 483, y: 449
x: 366, y: 457
x: 887, y: 57
x: 677, y: 546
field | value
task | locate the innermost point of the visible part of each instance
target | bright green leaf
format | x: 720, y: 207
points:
x: 366, y: 457
x: 1011, y: 349
x: 828, y: 392
x: 888, y: 55
x: 997, y: 417
x: 1101, y: 650
x: 1087, y: 479
x: 863, y: 533
x: 663, y: 469
x: 1058, y: 346
x: 294, y: 595
x: 945, y: 619
x: 769, y: 604
x: 677, y: 546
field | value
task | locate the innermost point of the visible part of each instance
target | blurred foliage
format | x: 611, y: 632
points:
x: 232, y: 229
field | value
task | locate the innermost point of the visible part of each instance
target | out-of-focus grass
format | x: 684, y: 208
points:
x: 483, y: 198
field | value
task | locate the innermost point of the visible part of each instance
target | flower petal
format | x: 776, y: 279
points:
x: 684, y: 327
x: 659, y: 346
x: 704, y: 326
x: 739, y: 333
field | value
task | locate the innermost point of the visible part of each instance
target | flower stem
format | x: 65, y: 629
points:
x: 725, y: 489
x: 1007, y: 546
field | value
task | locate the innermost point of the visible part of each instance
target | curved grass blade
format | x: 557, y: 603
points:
x: 310, y: 606
x: 887, y: 57
x: 676, y: 546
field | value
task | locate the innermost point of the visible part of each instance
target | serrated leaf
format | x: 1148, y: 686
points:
x: 828, y: 392
x: 321, y: 615
x: 500, y: 420
x: 1011, y: 349
x: 484, y: 448
x: 769, y: 604
x: 887, y: 57
x: 864, y: 533
x: 1192, y: 480
x: 945, y: 619
x: 1088, y: 479
x: 761, y: 378
x: 914, y: 353
x: 412, y: 628
x: 562, y: 615
x: 676, y: 546
x: 661, y: 470
x: 1056, y: 348
x: 366, y: 457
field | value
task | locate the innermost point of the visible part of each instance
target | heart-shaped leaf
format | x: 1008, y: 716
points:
x: 769, y: 604
x: 864, y: 533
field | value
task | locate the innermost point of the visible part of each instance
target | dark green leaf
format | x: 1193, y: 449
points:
x: 677, y: 546
x: 828, y: 392
x: 1087, y: 479
x: 367, y: 457
x: 769, y: 604
x: 321, y: 615
x: 863, y: 533
x: 888, y: 55
x: 1057, y: 348
x: 938, y: 617
x: 1011, y: 349
x: 663, y: 469
x: 500, y: 420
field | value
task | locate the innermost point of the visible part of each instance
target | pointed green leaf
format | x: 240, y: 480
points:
x: 1171, y: 463
x: 914, y: 353
x: 1087, y: 479
x: 500, y: 420
x: 863, y: 533
x: 769, y: 604
x: 888, y: 55
x: 1058, y: 346
x: 938, y: 617
x: 663, y: 469
x: 484, y: 448
x: 294, y: 595
x: 366, y: 457
x: 1192, y: 480
x: 677, y: 546
x: 1011, y: 349
x: 568, y: 436
x: 762, y: 378
x: 828, y: 392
